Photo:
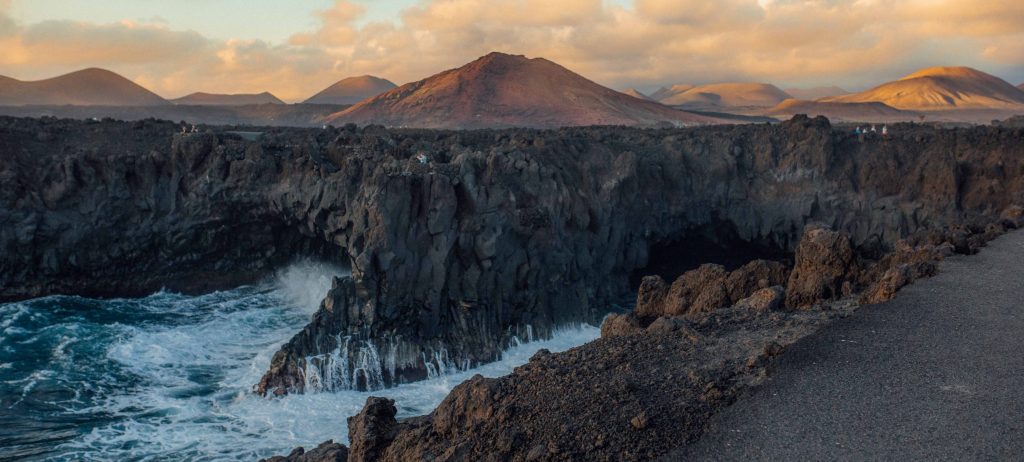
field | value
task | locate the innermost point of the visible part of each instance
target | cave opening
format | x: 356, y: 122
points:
x: 718, y: 243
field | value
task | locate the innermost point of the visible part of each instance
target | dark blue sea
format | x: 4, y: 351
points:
x: 169, y: 376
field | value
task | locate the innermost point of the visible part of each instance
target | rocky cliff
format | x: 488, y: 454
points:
x: 495, y: 234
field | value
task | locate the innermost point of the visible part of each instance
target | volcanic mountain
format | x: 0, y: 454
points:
x: 500, y: 90
x: 664, y: 93
x: 1021, y: 86
x: 352, y: 90
x: 728, y: 95
x: 89, y: 87
x: 213, y: 99
x: 636, y: 94
x: 942, y: 88
x: 814, y: 93
x: 841, y: 112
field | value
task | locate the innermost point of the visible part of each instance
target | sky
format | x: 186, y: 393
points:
x: 296, y: 48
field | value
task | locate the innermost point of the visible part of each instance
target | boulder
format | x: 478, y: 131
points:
x: 650, y: 298
x: 616, y: 325
x: 705, y: 289
x: 885, y: 288
x: 328, y: 451
x: 767, y: 299
x: 826, y: 268
x: 756, y: 275
x: 372, y: 430
x: 697, y: 291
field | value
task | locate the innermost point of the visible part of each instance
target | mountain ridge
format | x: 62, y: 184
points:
x: 942, y: 88
x: 816, y: 93
x: 502, y: 90
x: 86, y: 87
x: 220, y: 99
x: 730, y: 94
x: 842, y: 112
x: 351, y: 90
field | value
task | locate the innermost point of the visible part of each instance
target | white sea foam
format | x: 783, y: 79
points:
x: 194, y: 398
x: 306, y: 282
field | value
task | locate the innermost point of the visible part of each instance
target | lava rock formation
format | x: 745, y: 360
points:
x: 492, y: 235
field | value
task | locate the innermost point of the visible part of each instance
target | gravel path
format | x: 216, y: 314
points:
x: 936, y: 374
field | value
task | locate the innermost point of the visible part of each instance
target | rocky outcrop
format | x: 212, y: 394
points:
x: 705, y: 289
x: 826, y: 268
x: 328, y: 451
x: 635, y: 394
x: 499, y: 234
x: 767, y: 299
x: 373, y: 429
x: 624, y: 398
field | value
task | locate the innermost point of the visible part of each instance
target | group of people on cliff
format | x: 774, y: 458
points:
x: 873, y: 129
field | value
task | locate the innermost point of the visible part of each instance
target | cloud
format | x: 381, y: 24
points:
x: 647, y: 43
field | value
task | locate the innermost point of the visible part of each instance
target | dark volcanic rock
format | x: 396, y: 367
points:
x: 327, y: 451
x: 372, y: 430
x: 619, y: 398
x: 826, y: 268
x: 499, y: 234
x: 704, y: 289
x: 758, y: 274
x: 770, y: 298
x: 338, y: 312
x: 620, y: 324
x: 669, y: 378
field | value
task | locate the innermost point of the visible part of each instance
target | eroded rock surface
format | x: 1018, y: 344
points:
x: 327, y: 451
x: 635, y: 394
x: 499, y: 234
x: 705, y: 289
x: 826, y: 268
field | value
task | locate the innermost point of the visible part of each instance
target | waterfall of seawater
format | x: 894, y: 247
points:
x: 169, y: 377
x: 335, y: 371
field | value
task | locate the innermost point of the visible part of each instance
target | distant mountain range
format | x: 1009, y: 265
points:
x: 637, y: 94
x: 351, y: 90
x: 816, y: 92
x: 665, y: 93
x: 841, y: 112
x: 942, y: 89
x: 501, y: 90
x: 213, y: 99
x: 728, y: 95
x: 89, y: 87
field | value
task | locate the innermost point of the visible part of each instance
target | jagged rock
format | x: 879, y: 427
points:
x: 825, y: 268
x: 372, y: 430
x: 758, y: 274
x: 673, y: 325
x: 650, y: 297
x: 768, y: 299
x: 705, y: 289
x: 338, y: 311
x: 1015, y: 214
x: 328, y: 451
x: 697, y: 291
x: 890, y: 282
x: 595, y: 402
x: 501, y: 230
x: 620, y: 324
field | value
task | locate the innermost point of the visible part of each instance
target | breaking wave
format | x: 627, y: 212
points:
x: 169, y: 376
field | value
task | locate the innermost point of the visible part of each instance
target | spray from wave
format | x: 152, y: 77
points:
x: 169, y: 376
x: 305, y: 283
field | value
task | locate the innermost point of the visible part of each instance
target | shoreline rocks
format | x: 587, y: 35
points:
x: 502, y: 234
x: 634, y: 394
